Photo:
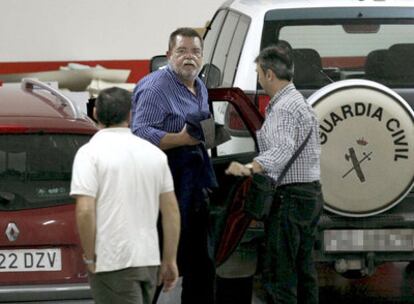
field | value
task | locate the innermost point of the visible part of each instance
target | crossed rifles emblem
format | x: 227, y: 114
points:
x: 356, y: 163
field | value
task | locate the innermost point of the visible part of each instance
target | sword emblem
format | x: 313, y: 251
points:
x: 356, y: 163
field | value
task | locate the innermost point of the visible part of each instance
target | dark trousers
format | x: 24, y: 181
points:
x: 194, y: 262
x: 289, y: 273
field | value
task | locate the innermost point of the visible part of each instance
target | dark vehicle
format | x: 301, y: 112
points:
x: 40, y: 254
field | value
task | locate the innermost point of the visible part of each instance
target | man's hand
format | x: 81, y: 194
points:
x: 238, y: 169
x: 168, y: 276
x: 174, y: 140
x: 186, y: 139
x: 91, y: 268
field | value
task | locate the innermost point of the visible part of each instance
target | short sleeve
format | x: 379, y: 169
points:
x: 168, y: 183
x: 84, y: 174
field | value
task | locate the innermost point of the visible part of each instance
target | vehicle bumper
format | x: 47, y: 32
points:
x: 58, y: 292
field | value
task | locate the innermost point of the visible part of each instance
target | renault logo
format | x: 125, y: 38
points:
x: 12, y: 232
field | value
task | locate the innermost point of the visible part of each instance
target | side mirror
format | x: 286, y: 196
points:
x: 158, y: 62
x: 210, y: 75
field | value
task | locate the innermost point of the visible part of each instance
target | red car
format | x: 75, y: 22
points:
x: 40, y: 254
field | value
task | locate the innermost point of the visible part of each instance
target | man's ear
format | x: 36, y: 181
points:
x: 129, y: 117
x: 95, y: 116
x: 168, y: 54
x: 269, y: 74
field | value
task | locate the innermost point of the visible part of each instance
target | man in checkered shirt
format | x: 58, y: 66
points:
x: 289, y: 273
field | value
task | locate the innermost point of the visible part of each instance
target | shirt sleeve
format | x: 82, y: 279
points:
x: 148, y: 116
x: 84, y: 175
x: 168, y: 183
x: 280, y: 133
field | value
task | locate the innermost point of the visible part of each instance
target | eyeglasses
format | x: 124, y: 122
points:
x: 183, y: 51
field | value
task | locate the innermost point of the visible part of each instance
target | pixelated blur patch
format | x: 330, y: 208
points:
x: 368, y: 240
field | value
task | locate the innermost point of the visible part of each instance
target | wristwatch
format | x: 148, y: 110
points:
x: 250, y: 167
x: 88, y: 261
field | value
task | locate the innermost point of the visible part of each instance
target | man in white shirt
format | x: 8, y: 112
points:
x: 120, y: 183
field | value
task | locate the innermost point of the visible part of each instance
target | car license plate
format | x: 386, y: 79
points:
x: 22, y: 260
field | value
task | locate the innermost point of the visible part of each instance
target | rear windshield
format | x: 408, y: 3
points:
x: 326, y: 51
x: 35, y: 169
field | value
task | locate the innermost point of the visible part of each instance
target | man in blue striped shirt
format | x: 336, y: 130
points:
x: 164, y: 104
x: 288, y: 269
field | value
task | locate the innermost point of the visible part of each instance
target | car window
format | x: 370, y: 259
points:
x: 211, y: 35
x: 224, y: 40
x: 35, y: 169
x: 223, y: 50
x: 235, y: 51
x: 327, y: 51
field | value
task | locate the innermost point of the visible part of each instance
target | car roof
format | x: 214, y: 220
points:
x: 40, y: 110
x: 260, y: 7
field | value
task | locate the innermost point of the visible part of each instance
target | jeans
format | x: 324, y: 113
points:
x: 289, y: 273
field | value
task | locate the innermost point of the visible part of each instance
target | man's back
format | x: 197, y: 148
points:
x: 130, y: 173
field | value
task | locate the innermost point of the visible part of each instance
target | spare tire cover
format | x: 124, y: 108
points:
x: 367, y: 158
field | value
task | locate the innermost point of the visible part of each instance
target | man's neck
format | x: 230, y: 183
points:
x: 191, y: 85
x: 278, y: 86
x: 120, y: 125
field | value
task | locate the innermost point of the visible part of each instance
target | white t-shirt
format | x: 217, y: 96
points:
x: 126, y: 175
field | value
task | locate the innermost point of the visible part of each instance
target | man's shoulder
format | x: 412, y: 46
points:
x: 85, y: 151
x: 293, y: 100
x: 154, y: 80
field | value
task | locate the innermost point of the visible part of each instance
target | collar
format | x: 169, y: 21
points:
x: 279, y: 94
x: 115, y: 130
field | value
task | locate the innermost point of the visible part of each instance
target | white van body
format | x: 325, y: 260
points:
x: 360, y: 56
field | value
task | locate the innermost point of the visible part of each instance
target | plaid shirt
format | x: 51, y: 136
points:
x: 289, y: 119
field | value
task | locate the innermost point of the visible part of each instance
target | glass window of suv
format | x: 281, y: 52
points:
x: 35, y: 169
x: 346, y: 48
x: 225, y: 53
x: 212, y: 34
x: 234, y: 52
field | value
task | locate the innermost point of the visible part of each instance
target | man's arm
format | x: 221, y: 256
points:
x: 238, y: 169
x: 174, y: 140
x: 147, y: 120
x: 171, y: 229
x: 86, y: 222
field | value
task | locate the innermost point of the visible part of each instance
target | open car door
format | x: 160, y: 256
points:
x: 236, y: 114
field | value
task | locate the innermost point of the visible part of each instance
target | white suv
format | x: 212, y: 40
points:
x: 354, y: 61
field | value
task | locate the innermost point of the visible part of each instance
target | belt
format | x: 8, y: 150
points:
x: 284, y: 186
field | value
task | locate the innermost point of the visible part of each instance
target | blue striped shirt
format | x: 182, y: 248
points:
x: 289, y: 118
x: 161, y: 103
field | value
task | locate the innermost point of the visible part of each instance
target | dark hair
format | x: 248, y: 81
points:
x: 185, y: 32
x: 277, y: 58
x: 113, y: 106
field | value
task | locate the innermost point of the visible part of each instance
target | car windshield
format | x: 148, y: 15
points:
x: 35, y: 169
x: 326, y: 51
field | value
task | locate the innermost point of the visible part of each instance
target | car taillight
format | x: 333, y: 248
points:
x: 13, y: 129
x: 262, y: 102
